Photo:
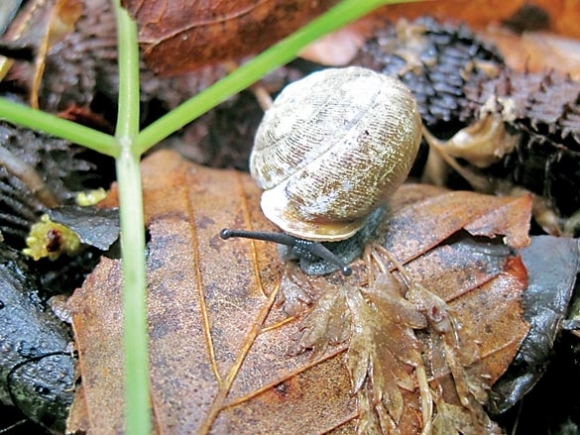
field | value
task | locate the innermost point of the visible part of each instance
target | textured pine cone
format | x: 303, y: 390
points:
x: 435, y: 61
x: 547, y: 114
x: 452, y: 74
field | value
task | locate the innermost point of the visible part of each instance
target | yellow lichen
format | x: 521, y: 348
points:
x: 49, y: 239
x: 85, y: 199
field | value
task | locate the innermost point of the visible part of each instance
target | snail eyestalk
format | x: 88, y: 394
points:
x: 299, y: 247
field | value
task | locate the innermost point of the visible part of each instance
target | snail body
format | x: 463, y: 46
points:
x: 329, y: 153
x: 333, y: 147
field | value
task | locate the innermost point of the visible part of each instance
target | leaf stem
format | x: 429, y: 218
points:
x: 128, y: 115
x: 137, y: 396
x: 138, y: 413
x: 275, y: 56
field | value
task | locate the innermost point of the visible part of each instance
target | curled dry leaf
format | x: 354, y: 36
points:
x: 210, y: 32
x: 219, y: 343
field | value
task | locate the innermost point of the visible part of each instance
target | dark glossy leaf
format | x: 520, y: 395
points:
x: 36, y: 365
x: 552, y: 265
x: 94, y: 226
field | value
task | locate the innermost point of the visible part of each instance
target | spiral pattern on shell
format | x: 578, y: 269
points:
x: 333, y: 147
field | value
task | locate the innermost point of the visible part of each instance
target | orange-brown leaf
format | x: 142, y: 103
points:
x: 219, y: 344
x: 205, y: 32
x: 208, y: 302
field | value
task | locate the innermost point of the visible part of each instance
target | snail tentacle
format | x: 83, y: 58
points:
x: 299, y: 248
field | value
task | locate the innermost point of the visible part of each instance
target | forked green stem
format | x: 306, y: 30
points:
x: 137, y: 394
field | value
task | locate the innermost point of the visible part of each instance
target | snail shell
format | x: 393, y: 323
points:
x: 332, y: 148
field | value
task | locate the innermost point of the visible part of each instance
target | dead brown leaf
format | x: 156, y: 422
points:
x: 208, y: 32
x: 480, y: 13
x: 230, y: 30
x: 208, y: 302
x: 219, y: 344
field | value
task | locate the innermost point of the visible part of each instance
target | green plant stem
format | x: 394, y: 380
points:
x: 137, y: 397
x: 277, y: 55
x: 128, y: 116
x: 41, y: 121
x: 137, y: 404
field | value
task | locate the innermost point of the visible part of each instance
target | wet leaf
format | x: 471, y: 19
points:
x: 210, y: 32
x: 94, y: 226
x: 36, y: 364
x: 455, y: 420
x: 383, y: 349
x: 192, y: 308
x: 546, y: 299
x: 220, y: 344
x: 328, y: 323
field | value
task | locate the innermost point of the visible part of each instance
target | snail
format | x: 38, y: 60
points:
x: 329, y: 153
